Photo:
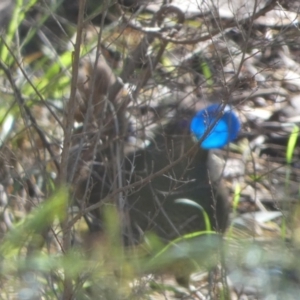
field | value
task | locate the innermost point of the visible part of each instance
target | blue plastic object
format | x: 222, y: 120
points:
x: 222, y: 123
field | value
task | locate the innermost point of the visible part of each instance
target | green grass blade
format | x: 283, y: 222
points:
x: 197, y: 205
x: 292, y: 144
x: 18, y: 16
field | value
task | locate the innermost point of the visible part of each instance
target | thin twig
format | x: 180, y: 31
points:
x: 68, y: 123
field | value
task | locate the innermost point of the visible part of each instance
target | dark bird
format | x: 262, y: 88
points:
x: 175, y: 171
x: 176, y: 181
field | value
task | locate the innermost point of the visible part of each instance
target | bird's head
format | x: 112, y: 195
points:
x: 215, y: 126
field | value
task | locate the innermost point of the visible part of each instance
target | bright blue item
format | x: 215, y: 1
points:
x: 224, y: 126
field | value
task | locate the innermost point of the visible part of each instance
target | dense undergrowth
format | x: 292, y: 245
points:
x: 165, y: 58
